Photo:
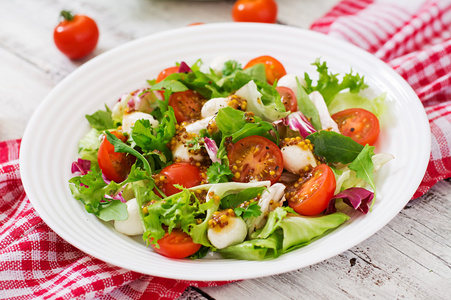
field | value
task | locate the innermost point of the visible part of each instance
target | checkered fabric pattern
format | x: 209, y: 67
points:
x: 413, y: 37
x: 35, y: 263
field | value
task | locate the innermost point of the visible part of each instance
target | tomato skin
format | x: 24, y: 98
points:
x: 166, y: 72
x: 176, y: 244
x: 261, y: 11
x: 184, y: 174
x: 187, y: 105
x: 76, y: 37
x: 313, y: 195
x: 255, y: 158
x: 288, y: 98
x: 359, y: 124
x: 196, y: 23
x: 115, y: 166
x: 273, y: 68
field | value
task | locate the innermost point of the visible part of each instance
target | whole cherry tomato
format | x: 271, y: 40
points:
x: 261, y: 11
x: 76, y: 36
x: 273, y: 68
x: 114, y: 165
x: 176, y: 244
x: 184, y: 174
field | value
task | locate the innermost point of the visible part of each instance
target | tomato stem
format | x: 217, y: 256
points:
x: 67, y: 15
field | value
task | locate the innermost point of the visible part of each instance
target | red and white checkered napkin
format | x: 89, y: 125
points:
x: 35, y: 263
x: 413, y: 37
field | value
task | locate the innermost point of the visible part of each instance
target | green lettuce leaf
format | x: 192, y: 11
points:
x: 176, y: 211
x: 347, y: 100
x: 91, y: 190
x: 256, y: 249
x: 364, y: 168
x: 101, y: 119
x: 306, y: 106
x: 88, y: 147
x: 334, y: 147
x: 329, y: 85
x: 265, y: 108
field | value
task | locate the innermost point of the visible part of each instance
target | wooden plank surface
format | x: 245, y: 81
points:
x: 410, y: 258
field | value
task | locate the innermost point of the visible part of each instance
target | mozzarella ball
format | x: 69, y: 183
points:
x: 234, y: 232
x: 212, y: 106
x: 296, y: 158
x: 129, y: 120
x: 133, y: 225
x: 197, y: 126
x: 181, y: 152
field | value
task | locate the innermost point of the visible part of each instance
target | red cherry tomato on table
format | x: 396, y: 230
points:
x: 196, y: 23
x: 359, y: 124
x: 261, y: 11
x: 255, y: 158
x: 76, y: 36
x: 187, y: 105
x: 273, y: 68
x: 288, y: 98
x: 115, y: 166
x: 176, y: 244
x: 312, y: 196
x: 184, y: 174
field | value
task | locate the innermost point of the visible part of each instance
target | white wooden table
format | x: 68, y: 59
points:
x: 410, y: 258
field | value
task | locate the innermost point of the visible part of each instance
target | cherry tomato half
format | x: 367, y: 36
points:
x: 288, y: 98
x: 76, y: 36
x: 255, y: 158
x: 312, y: 195
x: 176, y: 244
x: 166, y: 72
x: 273, y: 68
x: 187, y: 105
x: 262, y: 11
x: 115, y: 166
x: 184, y: 174
x: 359, y: 124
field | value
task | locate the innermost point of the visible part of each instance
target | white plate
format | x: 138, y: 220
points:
x: 50, y: 141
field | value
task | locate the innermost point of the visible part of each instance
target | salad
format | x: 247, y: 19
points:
x: 246, y: 161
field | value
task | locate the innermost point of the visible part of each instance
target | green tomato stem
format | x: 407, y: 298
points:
x: 67, y: 15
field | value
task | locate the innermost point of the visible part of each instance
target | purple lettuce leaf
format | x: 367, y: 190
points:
x: 359, y: 199
x: 212, y: 149
x: 81, y: 165
x: 184, y: 68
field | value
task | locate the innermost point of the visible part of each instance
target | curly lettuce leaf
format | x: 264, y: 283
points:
x: 176, y: 211
x: 92, y: 191
x: 217, y: 173
x: 329, y: 85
